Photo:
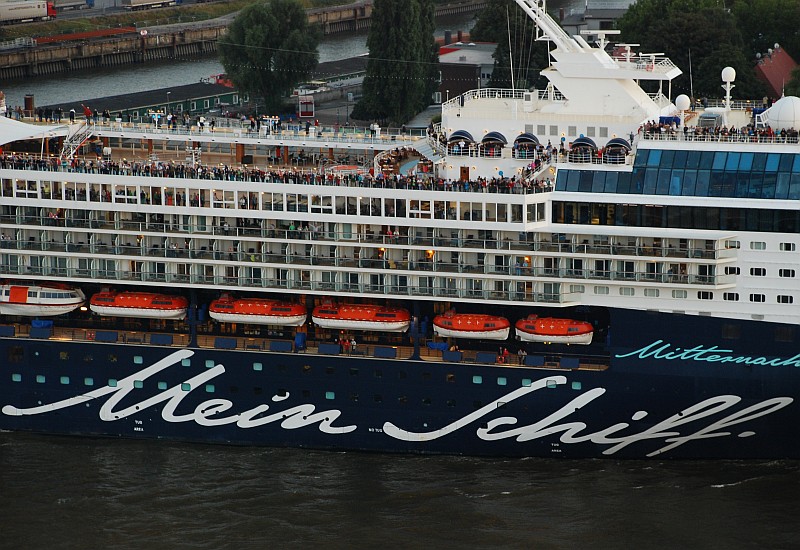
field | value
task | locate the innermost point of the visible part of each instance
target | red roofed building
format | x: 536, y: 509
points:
x: 775, y: 69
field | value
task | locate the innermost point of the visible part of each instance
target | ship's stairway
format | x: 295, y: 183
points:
x: 75, y: 139
x: 425, y: 148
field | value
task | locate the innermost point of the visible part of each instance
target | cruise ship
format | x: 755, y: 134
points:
x: 584, y: 271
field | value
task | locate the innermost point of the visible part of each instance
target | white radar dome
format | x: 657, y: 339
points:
x: 728, y: 74
x: 784, y: 113
x: 682, y: 102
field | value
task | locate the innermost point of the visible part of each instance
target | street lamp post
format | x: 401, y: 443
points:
x: 167, y: 112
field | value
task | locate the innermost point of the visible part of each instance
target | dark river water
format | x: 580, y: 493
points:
x: 58, y: 492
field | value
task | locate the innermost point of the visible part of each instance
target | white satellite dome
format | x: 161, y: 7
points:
x: 784, y: 113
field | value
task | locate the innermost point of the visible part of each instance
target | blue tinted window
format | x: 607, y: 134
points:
x: 702, y: 183
x: 782, y: 185
x: 796, y: 164
x: 743, y: 183
x: 786, y: 163
x: 654, y: 159
x: 680, y: 159
x: 611, y: 182
x: 675, y: 182
x: 706, y: 159
x: 574, y: 178
x: 585, y: 185
x: 662, y: 186
x: 746, y: 161
x: 767, y: 190
x: 759, y: 161
x: 667, y: 159
x: 650, y: 179
x: 732, y: 164
x: 598, y: 182
x: 689, y: 182
x: 693, y: 159
x: 756, y: 182
x: 794, y: 187
x: 772, y: 162
x: 719, y: 160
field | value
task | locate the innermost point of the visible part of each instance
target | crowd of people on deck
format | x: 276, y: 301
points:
x: 749, y: 133
x: 145, y: 168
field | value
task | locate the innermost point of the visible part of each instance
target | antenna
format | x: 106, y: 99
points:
x: 510, y: 55
x: 628, y: 50
x: 601, y: 35
x: 691, y: 82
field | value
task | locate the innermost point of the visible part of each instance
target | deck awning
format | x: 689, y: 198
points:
x: 584, y: 141
x: 494, y: 137
x: 461, y: 135
x: 527, y: 137
x: 13, y: 130
x: 619, y: 142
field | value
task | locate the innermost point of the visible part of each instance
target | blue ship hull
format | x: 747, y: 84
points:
x: 671, y: 391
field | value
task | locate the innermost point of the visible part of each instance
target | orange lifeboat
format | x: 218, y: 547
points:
x: 260, y: 311
x: 146, y: 305
x: 471, y: 325
x: 361, y: 317
x: 44, y: 300
x: 554, y: 330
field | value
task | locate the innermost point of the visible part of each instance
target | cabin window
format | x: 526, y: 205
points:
x: 138, y: 359
x: 16, y: 377
x: 651, y: 292
x: 138, y: 384
x: 40, y: 378
x: 502, y: 381
x: 758, y: 271
x: 477, y: 379
x: 403, y: 399
x: 426, y: 400
x: 786, y: 273
x: 731, y: 296
x: 112, y: 382
x: 788, y: 247
x: 450, y: 377
x: 679, y: 294
x: 186, y: 362
x: 732, y: 244
x: 377, y: 398
x: 330, y: 370
x: 353, y: 372
x: 729, y: 270
x: 210, y: 363
x: 731, y: 331
x: 64, y: 355
x: 526, y: 382
x: 758, y: 245
x: 450, y: 402
x: 576, y: 385
x: 354, y: 397
x: 88, y: 381
x: 705, y: 295
x: 210, y: 388
x: 785, y: 299
x: 378, y: 374
x: 162, y: 385
x: 258, y: 366
x: 626, y: 291
x: 601, y: 290
x: 330, y: 395
x: 185, y: 386
x: 758, y: 298
x: 551, y: 384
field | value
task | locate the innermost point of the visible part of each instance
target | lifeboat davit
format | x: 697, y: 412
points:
x: 361, y: 317
x: 39, y: 300
x: 472, y: 325
x: 553, y: 330
x: 147, y: 305
x: 260, y: 311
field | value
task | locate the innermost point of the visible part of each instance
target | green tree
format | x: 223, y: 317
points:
x: 268, y: 49
x: 402, y: 69
x: 704, y: 29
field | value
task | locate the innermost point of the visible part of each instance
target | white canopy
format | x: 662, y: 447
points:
x: 13, y: 130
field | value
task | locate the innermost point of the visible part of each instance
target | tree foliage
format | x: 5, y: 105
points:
x: 402, y: 69
x: 268, y: 49
x: 702, y: 29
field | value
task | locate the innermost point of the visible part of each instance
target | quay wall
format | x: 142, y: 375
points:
x: 175, y: 43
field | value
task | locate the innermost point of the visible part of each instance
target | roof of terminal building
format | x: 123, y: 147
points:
x: 147, y: 98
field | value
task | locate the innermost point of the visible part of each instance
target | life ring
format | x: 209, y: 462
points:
x: 90, y: 335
